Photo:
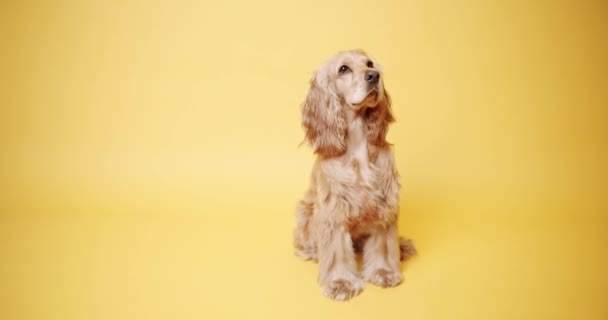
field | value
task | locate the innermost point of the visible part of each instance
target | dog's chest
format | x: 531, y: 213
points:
x: 358, y: 157
x: 353, y: 180
x: 366, y: 193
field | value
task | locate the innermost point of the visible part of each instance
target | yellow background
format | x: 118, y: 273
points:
x: 150, y: 162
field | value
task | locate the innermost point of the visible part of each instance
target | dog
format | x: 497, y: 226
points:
x: 352, y: 204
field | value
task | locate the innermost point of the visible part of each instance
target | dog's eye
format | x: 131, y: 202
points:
x: 344, y: 69
x: 370, y: 64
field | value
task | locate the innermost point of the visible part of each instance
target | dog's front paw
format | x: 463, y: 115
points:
x: 343, y: 289
x: 385, y: 278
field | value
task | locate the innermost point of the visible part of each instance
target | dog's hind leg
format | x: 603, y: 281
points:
x: 304, y: 237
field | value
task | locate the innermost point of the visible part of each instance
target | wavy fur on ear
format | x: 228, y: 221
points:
x: 324, y: 119
x: 377, y: 121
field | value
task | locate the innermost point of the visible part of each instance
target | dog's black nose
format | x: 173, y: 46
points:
x: 372, y: 77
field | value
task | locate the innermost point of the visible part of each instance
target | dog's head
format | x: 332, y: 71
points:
x: 350, y: 81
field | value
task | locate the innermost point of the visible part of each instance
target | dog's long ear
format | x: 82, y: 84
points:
x: 324, y: 119
x: 377, y: 121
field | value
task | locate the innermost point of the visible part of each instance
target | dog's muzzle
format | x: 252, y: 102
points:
x: 372, y: 77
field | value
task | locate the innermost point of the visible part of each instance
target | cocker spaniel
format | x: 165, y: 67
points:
x: 352, y: 203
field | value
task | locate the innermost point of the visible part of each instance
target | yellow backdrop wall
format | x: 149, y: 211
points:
x: 150, y: 164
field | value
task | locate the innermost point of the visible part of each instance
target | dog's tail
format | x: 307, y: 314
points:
x: 406, y: 248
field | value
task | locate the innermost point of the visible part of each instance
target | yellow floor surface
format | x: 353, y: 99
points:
x: 150, y: 164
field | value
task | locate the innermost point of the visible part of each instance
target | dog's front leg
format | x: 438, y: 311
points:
x: 338, y: 273
x: 381, y: 257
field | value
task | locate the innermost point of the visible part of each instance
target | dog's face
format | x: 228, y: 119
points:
x: 354, y: 77
x: 350, y: 82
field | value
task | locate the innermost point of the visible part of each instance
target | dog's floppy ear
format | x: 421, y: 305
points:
x: 324, y: 119
x: 377, y: 121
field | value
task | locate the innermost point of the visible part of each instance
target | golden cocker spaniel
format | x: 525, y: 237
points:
x: 352, y: 204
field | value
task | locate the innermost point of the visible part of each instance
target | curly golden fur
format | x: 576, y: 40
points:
x: 352, y: 204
